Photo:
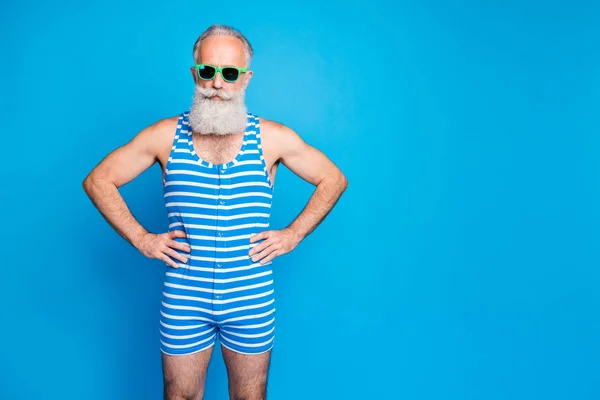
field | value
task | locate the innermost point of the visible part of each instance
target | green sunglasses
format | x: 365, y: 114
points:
x: 208, y: 72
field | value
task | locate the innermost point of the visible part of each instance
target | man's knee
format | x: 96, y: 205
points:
x: 251, y: 397
x: 256, y: 392
x: 176, y: 391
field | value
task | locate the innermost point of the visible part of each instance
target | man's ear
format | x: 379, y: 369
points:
x: 248, y: 77
x: 193, y: 71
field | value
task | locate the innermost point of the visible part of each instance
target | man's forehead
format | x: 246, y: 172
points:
x: 225, y: 50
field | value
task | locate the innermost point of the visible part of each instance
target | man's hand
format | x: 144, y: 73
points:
x: 276, y: 244
x: 161, y: 246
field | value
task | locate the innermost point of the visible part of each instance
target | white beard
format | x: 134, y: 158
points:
x: 218, y: 117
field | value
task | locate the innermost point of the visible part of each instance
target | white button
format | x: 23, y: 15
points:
x: 222, y: 202
x: 217, y: 297
x: 218, y: 265
x: 220, y: 233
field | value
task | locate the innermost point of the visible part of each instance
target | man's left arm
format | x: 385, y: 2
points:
x: 314, y: 167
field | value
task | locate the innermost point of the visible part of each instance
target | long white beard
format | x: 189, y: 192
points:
x: 222, y: 117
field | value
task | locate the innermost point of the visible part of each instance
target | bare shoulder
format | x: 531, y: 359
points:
x: 161, y: 132
x: 275, y: 130
x: 286, y: 146
x: 150, y: 144
x: 278, y: 138
x: 156, y: 139
x: 168, y: 123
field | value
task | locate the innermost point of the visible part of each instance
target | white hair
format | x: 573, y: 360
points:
x: 224, y: 30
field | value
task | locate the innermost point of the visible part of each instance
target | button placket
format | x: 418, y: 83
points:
x: 219, y: 243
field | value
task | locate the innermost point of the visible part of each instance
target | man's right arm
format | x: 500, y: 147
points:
x: 122, y: 166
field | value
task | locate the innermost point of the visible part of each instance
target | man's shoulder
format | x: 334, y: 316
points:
x: 163, y: 128
x: 159, y: 135
x: 167, y: 123
x: 278, y: 138
x: 270, y: 127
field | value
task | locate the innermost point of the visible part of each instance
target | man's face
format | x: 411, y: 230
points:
x: 218, y: 106
x: 222, y: 51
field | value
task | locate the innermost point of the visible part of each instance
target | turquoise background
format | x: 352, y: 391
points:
x: 461, y: 263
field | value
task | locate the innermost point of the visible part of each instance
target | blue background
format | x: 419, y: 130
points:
x: 461, y: 263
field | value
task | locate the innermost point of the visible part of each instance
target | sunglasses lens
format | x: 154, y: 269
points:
x: 230, y: 74
x: 206, y: 72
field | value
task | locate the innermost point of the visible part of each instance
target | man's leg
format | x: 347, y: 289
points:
x: 185, y: 375
x: 247, y: 374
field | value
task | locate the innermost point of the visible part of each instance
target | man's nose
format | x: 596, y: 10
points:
x: 218, y: 81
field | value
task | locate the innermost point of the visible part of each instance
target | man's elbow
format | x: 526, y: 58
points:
x: 87, y: 183
x: 90, y: 182
x: 334, y: 179
x: 342, y: 181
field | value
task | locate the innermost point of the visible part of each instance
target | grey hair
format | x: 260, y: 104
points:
x: 224, y: 30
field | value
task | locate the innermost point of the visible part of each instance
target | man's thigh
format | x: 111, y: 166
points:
x: 247, y: 374
x: 185, y: 375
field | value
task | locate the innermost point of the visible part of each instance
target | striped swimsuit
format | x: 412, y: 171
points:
x: 219, y: 292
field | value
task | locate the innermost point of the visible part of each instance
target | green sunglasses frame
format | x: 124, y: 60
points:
x: 218, y: 70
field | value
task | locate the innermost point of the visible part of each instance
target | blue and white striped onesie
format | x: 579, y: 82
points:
x: 220, y: 292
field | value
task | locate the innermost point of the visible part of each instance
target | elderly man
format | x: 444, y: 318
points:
x: 219, y: 163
